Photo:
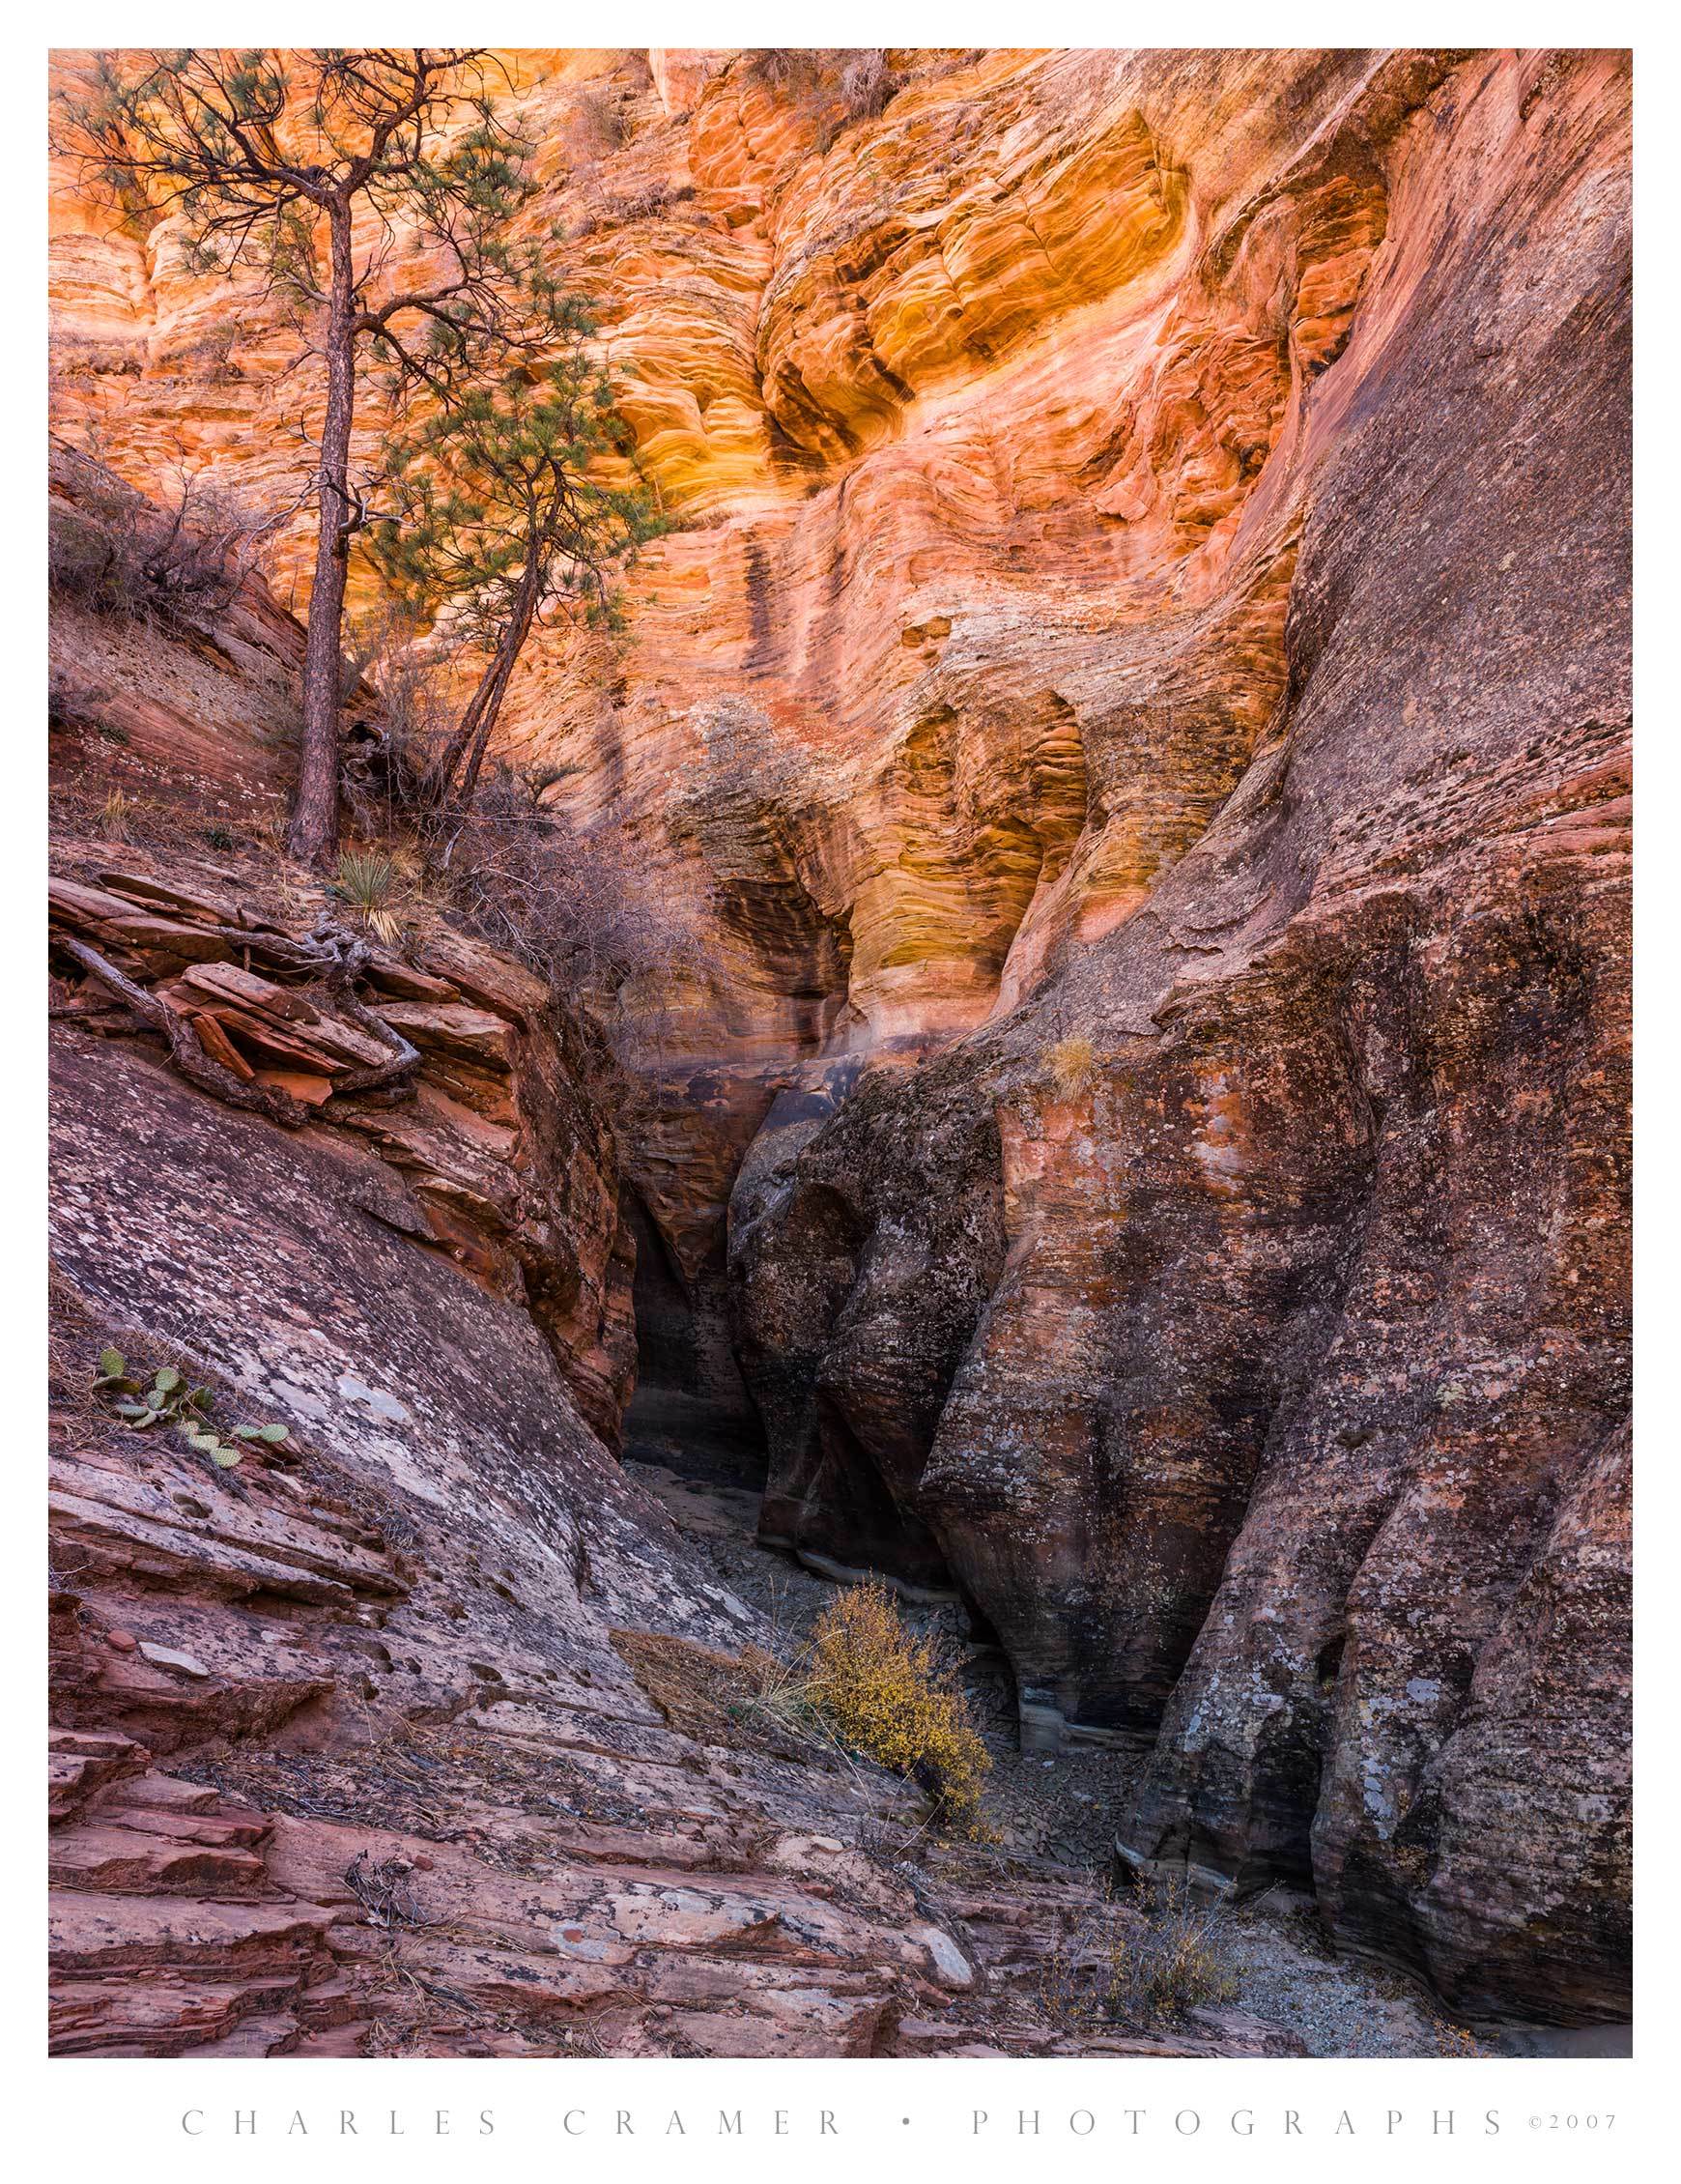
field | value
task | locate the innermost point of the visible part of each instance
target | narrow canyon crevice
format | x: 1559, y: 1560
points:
x: 1163, y: 1356
x: 690, y: 1407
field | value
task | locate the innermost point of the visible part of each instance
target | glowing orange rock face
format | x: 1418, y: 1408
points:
x: 1201, y: 1314
x: 951, y: 402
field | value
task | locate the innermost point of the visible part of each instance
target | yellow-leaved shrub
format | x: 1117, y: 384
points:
x: 893, y: 1695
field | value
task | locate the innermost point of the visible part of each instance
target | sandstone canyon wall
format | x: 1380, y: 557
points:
x: 1135, y: 702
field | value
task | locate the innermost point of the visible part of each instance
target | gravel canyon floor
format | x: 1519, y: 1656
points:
x: 1123, y: 1128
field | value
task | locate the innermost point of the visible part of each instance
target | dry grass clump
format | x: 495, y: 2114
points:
x: 867, y: 83
x: 573, y: 903
x: 1182, y: 1958
x: 839, y: 85
x: 177, y: 558
x: 598, y: 124
x: 704, y: 1693
x: 646, y: 202
x: 1116, y: 1968
x: 1071, y: 1065
x: 894, y: 1696
x: 72, y: 1328
x: 779, y: 65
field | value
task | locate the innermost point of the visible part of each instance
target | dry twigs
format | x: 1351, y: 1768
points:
x: 383, y: 1890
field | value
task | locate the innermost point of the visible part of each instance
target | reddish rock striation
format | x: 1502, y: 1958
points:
x: 349, y: 1752
x: 494, y: 1155
x: 1137, y: 706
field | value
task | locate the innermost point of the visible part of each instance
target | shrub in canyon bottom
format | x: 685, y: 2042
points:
x: 895, y: 1696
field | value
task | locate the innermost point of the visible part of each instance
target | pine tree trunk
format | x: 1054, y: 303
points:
x: 508, y: 654
x: 443, y: 773
x: 313, y: 835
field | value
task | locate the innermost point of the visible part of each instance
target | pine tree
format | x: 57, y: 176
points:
x: 374, y: 191
x: 500, y: 511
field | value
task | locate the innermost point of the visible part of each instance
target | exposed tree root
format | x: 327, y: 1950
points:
x: 337, y: 958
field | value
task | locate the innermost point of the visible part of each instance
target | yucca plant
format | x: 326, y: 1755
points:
x: 371, y: 883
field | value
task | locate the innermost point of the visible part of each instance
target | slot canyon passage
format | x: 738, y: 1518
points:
x: 1129, y: 1139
